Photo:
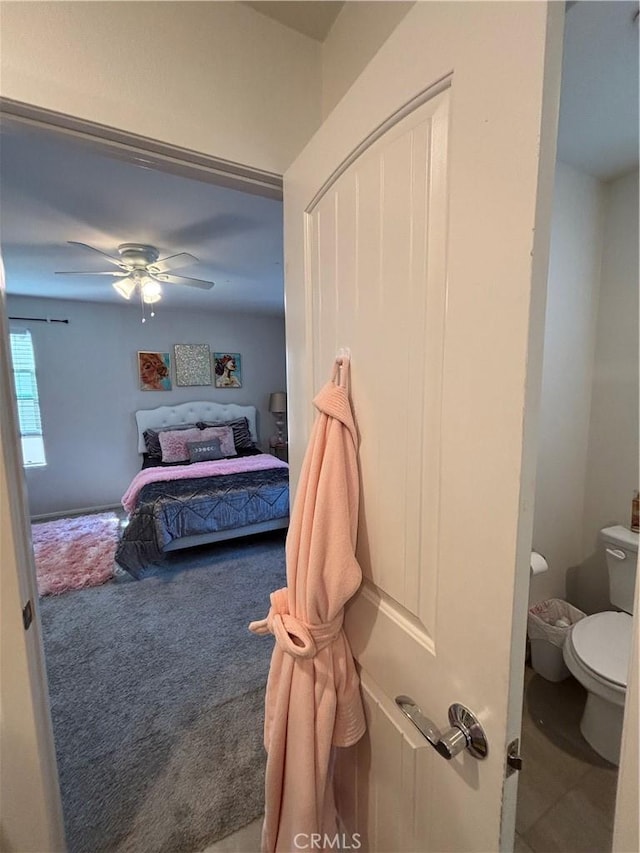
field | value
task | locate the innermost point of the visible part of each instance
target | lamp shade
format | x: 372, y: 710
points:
x: 278, y: 402
x: 125, y: 286
x: 151, y: 291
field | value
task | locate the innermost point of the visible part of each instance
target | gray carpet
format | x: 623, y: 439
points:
x: 157, y: 692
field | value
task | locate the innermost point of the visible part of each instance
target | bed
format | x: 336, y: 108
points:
x: 179, y: 505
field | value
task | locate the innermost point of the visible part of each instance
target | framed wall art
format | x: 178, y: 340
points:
x: 227, y: 369
x: 154, y: 371
x: 193, y: 364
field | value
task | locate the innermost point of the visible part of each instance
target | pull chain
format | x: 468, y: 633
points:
x: 142, y: 304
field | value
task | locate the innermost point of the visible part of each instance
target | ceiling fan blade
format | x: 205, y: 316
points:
x: 117, y: 261
x: 165, y: 278
x: 116, y: 273
x: 172, y: 262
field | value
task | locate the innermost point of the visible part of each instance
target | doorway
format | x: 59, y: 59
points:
x: 140, y: 694
x: 588, y: 449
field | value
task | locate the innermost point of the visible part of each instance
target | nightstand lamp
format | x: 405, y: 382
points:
x: 278, y: 408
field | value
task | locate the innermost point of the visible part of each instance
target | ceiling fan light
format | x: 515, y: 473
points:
x: 151, y: 292
x: 125, y: 287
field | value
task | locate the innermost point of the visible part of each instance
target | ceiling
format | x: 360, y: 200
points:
x: 598, y: 130
x: 312, y: 18
x: 54, y: 188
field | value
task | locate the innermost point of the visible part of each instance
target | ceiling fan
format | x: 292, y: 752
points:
x: 139, y: 266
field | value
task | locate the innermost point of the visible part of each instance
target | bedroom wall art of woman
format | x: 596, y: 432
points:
x: 154, y: 369
x: 227, y: 370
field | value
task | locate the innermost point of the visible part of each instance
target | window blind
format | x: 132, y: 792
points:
x: 24, y: 371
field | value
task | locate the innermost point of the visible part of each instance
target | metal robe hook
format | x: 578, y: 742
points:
x: 342, y: 363
x: 343, y: 352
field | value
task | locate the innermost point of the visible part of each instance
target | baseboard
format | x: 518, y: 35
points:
x: 69, y: 513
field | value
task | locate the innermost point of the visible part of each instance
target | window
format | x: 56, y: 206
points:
x: 24, y: 372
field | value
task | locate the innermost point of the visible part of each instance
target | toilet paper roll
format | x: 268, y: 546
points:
x: 538, y: 563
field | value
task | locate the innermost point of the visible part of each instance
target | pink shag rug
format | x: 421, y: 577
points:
x: 72, y: 553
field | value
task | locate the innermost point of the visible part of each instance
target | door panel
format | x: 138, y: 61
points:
x: 416, y: 234
x: 392, y: 810
x: 378, y: 282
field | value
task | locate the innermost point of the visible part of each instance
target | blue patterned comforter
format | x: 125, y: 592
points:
x: 172, y: 509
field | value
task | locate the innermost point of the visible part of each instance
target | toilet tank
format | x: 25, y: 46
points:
x: 621, y: 549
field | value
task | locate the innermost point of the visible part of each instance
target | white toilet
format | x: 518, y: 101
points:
x: 597, y: 648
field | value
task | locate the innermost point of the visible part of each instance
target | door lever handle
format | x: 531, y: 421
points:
x: 465, y: 732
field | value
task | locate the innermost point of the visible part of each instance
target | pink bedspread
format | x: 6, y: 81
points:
x: 240, y: 465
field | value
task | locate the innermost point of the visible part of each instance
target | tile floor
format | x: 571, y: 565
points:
x: 245, y: 840
x: 566, y: 792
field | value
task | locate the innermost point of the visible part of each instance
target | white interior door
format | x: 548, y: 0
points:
x: 416, y: 234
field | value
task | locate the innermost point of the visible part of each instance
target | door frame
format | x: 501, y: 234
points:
x: 27, y: 674
x: 45, y: 806
x: 134, y: 148
x: 552, y: 84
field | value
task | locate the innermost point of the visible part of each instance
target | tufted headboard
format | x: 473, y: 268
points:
x: 191, y: 413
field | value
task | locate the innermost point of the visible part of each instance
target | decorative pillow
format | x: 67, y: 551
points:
x: 153, y: 442
x: 205, y: 451
x: 224, y: 435
x: 241, y: 432
x: 174, y: 443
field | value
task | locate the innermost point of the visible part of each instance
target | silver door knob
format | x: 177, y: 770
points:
x: 465, y: 732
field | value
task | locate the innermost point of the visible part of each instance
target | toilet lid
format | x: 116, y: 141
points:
x: 603, y: 643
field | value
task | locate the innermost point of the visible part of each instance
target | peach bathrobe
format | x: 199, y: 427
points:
x: 313, y: 698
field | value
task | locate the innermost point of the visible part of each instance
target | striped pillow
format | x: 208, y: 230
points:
x: 241, y: 432
x: 224, y: 434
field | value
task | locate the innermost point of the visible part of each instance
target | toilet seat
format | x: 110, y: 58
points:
x: 602, y: 644
x: 596, y: 652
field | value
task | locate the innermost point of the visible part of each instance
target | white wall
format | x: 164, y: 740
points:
x: 356, y: 35
x: 215, y: 77
x: 569, y: 347
x: 89, y: 390
x: 588, y: 451
x: 612, y: 465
